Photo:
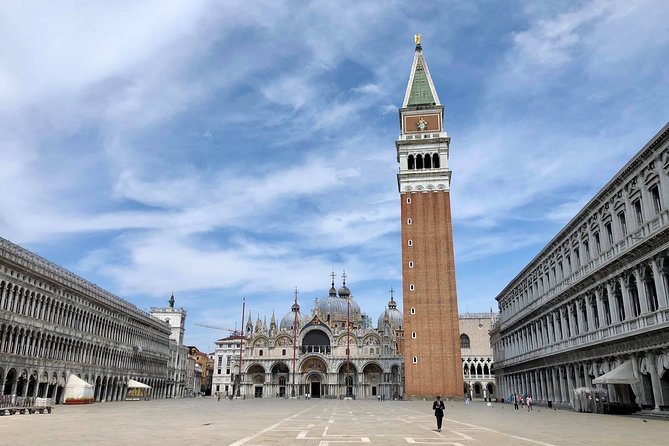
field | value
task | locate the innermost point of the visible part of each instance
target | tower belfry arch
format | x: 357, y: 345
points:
x: 432, y: 345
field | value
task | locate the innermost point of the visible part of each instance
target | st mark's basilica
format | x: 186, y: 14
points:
x: 333, y: 351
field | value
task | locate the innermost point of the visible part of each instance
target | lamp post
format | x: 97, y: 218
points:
x: 241, y: 350
x: 349, y: 391
x: 296, y: 309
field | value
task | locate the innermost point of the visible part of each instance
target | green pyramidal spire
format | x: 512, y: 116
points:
x: 420, y: 90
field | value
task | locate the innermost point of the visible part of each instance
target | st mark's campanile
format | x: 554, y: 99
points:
x: 432, y: 361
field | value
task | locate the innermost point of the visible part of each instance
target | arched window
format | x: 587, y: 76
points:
x: 283, y: 352
x: 259, y: 352
x: 435, y: 161
x: 419, y: 161
x: 428, y: 161
x: 464, y: 341
x: 412, y: 164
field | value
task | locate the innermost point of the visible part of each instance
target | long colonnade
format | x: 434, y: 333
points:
x: 596, y: 296
x: 54, y: 323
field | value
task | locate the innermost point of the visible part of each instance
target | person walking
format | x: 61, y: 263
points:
x: 438, y: 407
x: 515, y: 401
x: 529, y: 402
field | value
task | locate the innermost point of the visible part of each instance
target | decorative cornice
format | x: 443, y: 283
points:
x: 59, y: 276
x: 598, y: 200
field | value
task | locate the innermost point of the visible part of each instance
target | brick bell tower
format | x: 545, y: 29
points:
x: 432, y: 361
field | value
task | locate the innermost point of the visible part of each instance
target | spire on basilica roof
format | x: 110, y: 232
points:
x: 249, y: 323
x: 272, y: 321
x: 333, y: 290
x: 420, y: 89
x: 296, y: 306
x: 344, y: 292
x: 392, y: 303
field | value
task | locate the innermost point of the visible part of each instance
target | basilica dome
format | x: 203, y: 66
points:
x: 335, y: 309
x: 395, y: 317
x: 288, y: 320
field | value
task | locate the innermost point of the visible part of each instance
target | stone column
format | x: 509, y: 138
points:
x: 627, y: 302
x: 586, y: 374
x: 531, y: 384
x: 537, y: 385
x: 577, y: 373
x: 563, y: 319
x: 557, y: 394
x: 580, y: 313
x: 570, y: 382
x: 660, y: 285
x: 591, y: 303
x: 613, y: 305
x: 641, y: 289
x: 563, y: 391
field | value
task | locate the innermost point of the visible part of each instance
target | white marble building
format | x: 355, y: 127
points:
x: 477, y: 358
x: 54, y: 323
x: 307, y: 354
x: 226, y: 349
x: 596, y: 296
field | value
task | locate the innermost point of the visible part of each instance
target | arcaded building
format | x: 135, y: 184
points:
x: 54, y: 323
x: 334, y: 351
x: 595, y: 299
x: 432, y: 337
x: 477, y: 358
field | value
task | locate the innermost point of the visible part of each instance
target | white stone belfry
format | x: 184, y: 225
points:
x: 423, y: 145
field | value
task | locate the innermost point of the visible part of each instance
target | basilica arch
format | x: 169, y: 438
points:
x: 314, y: 375
x: 280, y: 379
x: 372, y: 377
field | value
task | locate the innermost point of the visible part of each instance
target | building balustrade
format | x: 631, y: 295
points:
x: 626, y: 328
x: 624, y: 245
x: 479, y: 376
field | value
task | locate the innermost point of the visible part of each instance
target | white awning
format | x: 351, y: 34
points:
x: 623, y: 374
x: 132, y: 384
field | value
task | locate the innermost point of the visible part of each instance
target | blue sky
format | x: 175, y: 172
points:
x: 229, y: 149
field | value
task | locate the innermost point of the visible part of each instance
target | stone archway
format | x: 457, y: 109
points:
x: 22, y: 383
x: 314, y: 370
x: 255, y: 376
x: 32, y: 383
x: 10, y: 382
x: 315, y: 384
x: 280, y: 377
x: 347, y: 379
x: 372, y: 377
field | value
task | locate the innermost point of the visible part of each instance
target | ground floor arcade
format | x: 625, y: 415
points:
x: 555, y: 383
x: 46, y: 383
x: 318, y: 378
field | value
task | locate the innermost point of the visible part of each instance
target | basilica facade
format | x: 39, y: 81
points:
x: 592, y: 308
x: 333, y: 351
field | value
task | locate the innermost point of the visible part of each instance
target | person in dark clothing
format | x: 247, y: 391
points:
x: 515, y: 401
x: 438, y: 407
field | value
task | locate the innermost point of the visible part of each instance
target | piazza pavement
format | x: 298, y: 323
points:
x: 206, y: 421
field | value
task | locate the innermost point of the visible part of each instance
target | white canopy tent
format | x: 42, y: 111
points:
x: 132, y: 384
x: 137, y: 391
x: 623, y: 374
x: 78, y: 391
